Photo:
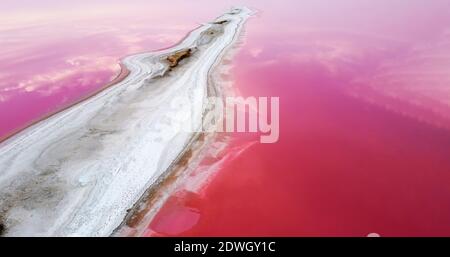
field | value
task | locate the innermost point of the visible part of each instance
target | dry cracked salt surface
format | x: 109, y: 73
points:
x: 78, y: 172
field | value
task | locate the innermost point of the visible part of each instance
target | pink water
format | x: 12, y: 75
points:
x: 364, y: 113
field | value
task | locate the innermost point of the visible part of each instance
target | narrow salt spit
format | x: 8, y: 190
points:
x: 79, y: 171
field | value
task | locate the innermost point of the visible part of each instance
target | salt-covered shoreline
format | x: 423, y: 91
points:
x: 79, y: 171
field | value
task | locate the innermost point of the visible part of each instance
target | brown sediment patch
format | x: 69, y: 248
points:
x: 184, y: 160
x: 201, y: 137
x: 124, y: 72
x: 220, y: 22
x: 175, y: 58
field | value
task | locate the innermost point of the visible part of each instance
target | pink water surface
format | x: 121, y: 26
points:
x: 364, y: 108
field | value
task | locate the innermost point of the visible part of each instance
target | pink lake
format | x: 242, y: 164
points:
x: 364, y: 91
